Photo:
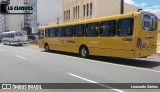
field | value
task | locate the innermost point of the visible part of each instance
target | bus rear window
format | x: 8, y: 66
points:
x: 150, y: 22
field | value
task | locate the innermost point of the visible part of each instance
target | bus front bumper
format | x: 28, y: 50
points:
x: 18, y: 42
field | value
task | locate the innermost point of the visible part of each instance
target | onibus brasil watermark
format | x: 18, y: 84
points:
x: 40, y: 86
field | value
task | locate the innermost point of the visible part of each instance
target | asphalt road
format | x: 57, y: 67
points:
x: 29, y: 64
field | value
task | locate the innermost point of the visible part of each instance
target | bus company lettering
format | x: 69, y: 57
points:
x: 67, y: 41
x: 127, y: 39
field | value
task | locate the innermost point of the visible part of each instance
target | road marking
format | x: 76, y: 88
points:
x: 34, y: 46
x: 29, y: 49
x: 95, y: 82
x: 145, y: 69
x: 20, y: 57
x: 82, y: 78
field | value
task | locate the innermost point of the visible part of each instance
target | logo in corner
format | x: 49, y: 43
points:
x: 3, y: 7
x: 6, y: 8
x: 6, y: 86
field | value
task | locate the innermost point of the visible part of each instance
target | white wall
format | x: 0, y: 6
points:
x: 16, y: 20
x: 111, y: 7
x: 48, y: 11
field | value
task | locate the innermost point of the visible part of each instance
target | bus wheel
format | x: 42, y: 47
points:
x: 4, y: 43
x: 84, y: 52
x: 46, y: 47
x: 9, y: 43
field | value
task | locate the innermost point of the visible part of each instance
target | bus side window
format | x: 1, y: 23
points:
x: 79, y: 30
x: 52, y: 32
x: 12, y: 35
x: 69, y: 31
x: 108, y: 28
x: 47, y: 33
x: 125, y: 27
x: 41, y: 34
x: 60, y: 31
x: 92, y: 29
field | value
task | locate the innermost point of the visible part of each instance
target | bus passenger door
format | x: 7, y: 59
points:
x: 41, y: 39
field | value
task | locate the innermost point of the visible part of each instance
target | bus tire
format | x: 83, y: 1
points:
x: 4, y: 43
x: 84, y: 52
x: 46, y: 47
x: 9, y: 43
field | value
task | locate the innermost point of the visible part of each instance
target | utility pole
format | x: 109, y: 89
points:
x: 57, y: 20
x: 122, y: 7
x: 21, y: 26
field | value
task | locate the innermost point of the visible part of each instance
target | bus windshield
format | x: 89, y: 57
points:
x: 21, y: 33
x: 18, y: 34
x: 150, y: 22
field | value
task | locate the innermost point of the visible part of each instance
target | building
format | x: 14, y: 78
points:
x: 45, y: 12
x: 75, y: 10
x: 4, y: 23
x: 12, y: 22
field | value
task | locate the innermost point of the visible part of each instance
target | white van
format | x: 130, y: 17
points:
x: 14, y: 38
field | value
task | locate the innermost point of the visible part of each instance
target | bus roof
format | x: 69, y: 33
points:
x: 13, y: 31
x: 93, y: 20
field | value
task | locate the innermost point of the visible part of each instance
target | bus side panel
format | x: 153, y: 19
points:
x: 51, y: 42
x: 41, y: 43
x: 103, y: 48
x: 93, y: 44
x: 57, y: 45
x: 100, y: 52
x: 122, y: 53
x: 69, y: 44
x: 138, y: 35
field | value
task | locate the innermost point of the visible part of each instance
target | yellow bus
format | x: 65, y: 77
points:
x: 130, y: 35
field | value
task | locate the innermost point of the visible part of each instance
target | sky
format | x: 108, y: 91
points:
x: 147, y: 5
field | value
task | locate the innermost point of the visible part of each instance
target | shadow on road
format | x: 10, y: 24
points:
x: 24, y: 45
x: 146, y: 63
